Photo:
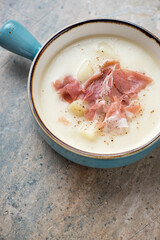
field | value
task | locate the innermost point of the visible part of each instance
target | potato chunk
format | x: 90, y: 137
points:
x: 85, y: 71
x: 77, y: 108
x: 89, y: 130
x: 105, y: 50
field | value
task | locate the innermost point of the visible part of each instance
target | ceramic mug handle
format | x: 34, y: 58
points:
x: 15, y: 38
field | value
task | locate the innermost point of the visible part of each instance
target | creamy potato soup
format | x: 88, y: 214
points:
x: 82, y: 60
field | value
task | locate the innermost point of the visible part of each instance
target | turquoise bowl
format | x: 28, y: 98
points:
x: 14, y: 37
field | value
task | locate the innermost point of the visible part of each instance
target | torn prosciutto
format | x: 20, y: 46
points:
x: 108, y: 94
x: 99, y: 108
x: 115, y: 117
x: 69, y: 89
x: 100, y: 84
x: 132, y: 110
x: 108, y: 66
x: 93, y: 88
x: 129, y: 82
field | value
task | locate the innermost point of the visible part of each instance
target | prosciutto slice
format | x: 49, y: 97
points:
x: 99, y: 108
x: 94, y: 90
x: 129, y: 82
x: 69, y: 89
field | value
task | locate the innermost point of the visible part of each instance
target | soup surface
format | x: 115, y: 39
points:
x: 81, y: 60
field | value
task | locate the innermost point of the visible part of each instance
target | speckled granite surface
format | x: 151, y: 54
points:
x: 44, y: 196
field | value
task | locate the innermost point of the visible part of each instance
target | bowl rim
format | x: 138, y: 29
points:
x: 40, y: 121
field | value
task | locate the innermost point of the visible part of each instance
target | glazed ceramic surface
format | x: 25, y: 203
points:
x: 30, y: 49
